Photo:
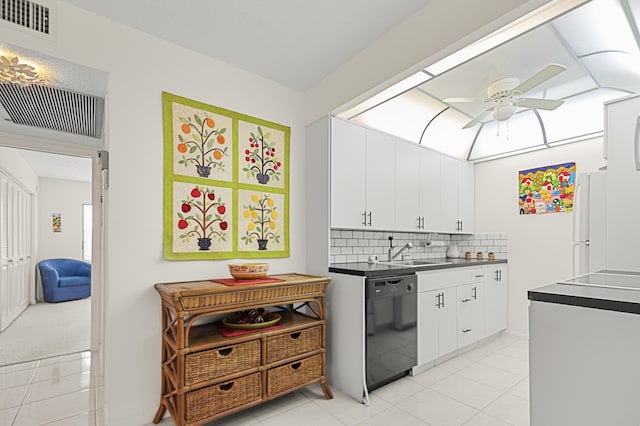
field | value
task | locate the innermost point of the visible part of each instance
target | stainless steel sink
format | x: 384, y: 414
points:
x: 415, y: 262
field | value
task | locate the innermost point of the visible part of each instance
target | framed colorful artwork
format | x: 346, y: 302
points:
x: 547, y: 189
x: 226, y: 183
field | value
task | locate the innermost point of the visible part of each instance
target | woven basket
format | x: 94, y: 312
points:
x: 212, y: 400
x: 283, y: 346
x: 294, y: 374
x: 218, y: 362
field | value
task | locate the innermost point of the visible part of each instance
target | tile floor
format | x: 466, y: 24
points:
x: 53, y: 391
x: 488, y: 385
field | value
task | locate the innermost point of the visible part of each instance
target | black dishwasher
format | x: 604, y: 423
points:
x: 391, y: 317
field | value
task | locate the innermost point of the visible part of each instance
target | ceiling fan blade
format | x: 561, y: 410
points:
x: 535, y: 103
x: 460, y: 100
x: 477, y: 119
x: 540, y: 77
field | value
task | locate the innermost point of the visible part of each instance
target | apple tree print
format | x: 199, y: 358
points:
x: 202, y: 218
x: 201, y: 144
x: 261, y: 158
x: 262, y: 214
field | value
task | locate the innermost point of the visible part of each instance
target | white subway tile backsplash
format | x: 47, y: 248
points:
x: 357, y: 245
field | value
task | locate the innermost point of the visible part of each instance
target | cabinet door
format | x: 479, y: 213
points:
x: 348, y: 150
x: 447, y: 324
x: 428, y: 303
x: 449, y: 195
x: 430, y: 190
x: 470, y: 314
x: 408, y: 186
x: 466, y: 189
x: 380, y: 180
x: 495, y: 298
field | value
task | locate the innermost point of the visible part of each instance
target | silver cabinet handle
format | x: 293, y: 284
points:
x: 364, y: 218
x: 369, y: 218
x: 475, y: 293
x: 465, y: 300
x: 466, y: 330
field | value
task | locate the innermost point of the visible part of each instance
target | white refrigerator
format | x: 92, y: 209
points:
x: 622, y: 148
x: 589, y: 223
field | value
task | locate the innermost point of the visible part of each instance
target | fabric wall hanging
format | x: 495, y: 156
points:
x: 547, y: 189
x: 226, y: 183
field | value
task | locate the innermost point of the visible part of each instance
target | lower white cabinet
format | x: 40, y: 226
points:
x: 437, y: 332
x: 458, y: 307
x: 495, y: 289
x: 470, y: 314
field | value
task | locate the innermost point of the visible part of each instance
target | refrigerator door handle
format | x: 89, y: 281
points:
x: 573, y: 255
x: 636, y: 144
x: 576, y: 202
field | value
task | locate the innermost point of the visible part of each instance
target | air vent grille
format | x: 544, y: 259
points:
x: 26, y: 14
x: 52, y: 108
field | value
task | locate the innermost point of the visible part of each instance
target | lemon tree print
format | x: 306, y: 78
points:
x: 261, y: 228
x: 261, y: 158
x: 202, y: 217
x: 201, y: 144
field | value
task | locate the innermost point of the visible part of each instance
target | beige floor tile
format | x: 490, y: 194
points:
x: 12, y: 397
x: 467, y: 391
x: 308, y: 414
x: 510, y: 409
x: 393, y: 416
x: 491, y: 376
x: 436, y: 409
x: 397, y: 391
x: 482, y: 419
x: 517, y: 366
x: 430, y: 376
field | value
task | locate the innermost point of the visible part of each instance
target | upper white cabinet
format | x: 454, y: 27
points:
x: 457, y: 189
x: 417, y: 188
x: 348, y: 175
x: 381, y: 182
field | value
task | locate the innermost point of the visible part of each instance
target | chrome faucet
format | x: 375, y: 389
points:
x: 393, y: 256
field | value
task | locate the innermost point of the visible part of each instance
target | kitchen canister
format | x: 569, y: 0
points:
x: 453, y: 251
x: 467, y: 255
x: 479, y: 255
x: 492, y: 256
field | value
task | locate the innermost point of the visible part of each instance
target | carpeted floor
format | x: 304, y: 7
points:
x: 47, y: 329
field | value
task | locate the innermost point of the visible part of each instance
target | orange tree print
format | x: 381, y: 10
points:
x: 201, y: 144
x: 262, y: 215
x: 202, y: 217
x: 261, y: 159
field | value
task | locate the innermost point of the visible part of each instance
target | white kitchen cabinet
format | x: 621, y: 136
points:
x: 495, y: 292
x: 437, y: 327
x: 417, y: 188
x: 408, y: 212
x: 348, y: 175
x: 380, y: 180
x: 456, y: 200
x: 362, y: 177
x: 470, y: 314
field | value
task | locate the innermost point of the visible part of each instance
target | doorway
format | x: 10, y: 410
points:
x: 84, y: 315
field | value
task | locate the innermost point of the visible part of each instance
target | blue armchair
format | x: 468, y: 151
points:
x: 65, y: 279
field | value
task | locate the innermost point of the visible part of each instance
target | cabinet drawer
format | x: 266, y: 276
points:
x: 428, y: 281
x: 290, y: 344
x: 294, y: 374
x: 215, y: 399
x: 218, y: 362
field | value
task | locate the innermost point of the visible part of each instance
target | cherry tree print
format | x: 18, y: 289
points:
x: 201, y: 144
x: 261, y: 158
x: 202, y: 217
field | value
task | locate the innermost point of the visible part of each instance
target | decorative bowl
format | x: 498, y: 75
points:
x: 248, y: 271
x: 272, y: 319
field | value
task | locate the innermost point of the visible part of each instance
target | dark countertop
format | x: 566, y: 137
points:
x: 378, y: 269
x: 596, y: 294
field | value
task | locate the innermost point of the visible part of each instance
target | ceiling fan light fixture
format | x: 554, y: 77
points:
x: 13, y: 71
x: 503, y: 111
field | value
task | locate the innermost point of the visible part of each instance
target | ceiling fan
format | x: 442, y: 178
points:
x: 504, y: 95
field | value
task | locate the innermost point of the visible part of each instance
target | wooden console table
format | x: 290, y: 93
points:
x: 206, y: 375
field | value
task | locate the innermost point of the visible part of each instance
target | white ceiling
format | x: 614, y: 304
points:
x: 54, y: 166
x: 294, y: 42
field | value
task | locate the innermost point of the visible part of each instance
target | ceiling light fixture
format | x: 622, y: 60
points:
x: 12, y: 71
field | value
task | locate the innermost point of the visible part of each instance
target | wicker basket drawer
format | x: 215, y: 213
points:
x: 296, y: 373
x: 212, y: 400
x: 290, y: 344
x: 218, y: 362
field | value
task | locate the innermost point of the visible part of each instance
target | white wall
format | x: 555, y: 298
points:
x: 540, y: 246
x: 12, y: 163
x: 65, y: 197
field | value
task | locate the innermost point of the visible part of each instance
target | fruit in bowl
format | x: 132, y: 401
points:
x: 248, y: 271
x: 252, y: 319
